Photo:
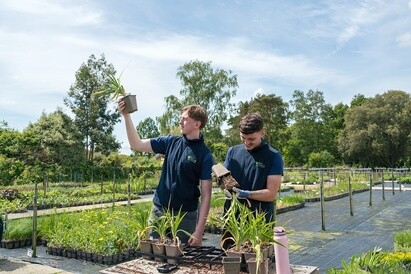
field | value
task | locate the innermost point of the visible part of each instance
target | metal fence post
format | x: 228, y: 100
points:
x: 34, y: 232
x: 392, y: 181
x: 371, y: 173
x: 383, y: 185
x: 350, y: 195
x: 322, y: 202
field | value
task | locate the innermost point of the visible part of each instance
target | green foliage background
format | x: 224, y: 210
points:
x: 308, y: 132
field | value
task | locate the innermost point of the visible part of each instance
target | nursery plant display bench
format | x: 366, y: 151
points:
x: 194, y: 260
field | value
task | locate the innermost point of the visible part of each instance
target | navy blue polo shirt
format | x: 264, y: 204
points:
x: 251, y: 168
x: 186, y: 162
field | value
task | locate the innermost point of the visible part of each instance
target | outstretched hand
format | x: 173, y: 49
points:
x: 236, y: 192
x: 241, y: 193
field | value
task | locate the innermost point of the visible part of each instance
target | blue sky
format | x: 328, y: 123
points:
x: 341, y: 48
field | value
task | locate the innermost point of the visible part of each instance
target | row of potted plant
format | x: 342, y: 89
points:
x: 252, y: 238
x: 66, y: 197
x: 168, y: 245
x: 104, y: 236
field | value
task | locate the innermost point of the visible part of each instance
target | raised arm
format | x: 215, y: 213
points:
x: 136, y: 143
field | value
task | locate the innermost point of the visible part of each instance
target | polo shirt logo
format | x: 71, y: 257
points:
x: 259, y: 165
x: 191, y: 159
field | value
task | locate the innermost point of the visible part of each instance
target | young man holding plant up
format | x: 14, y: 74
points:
x: 256, y: 166
x: 186, y: 169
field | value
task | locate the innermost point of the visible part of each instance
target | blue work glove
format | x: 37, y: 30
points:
x: 241, y: 193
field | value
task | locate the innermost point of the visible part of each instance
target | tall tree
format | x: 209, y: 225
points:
x: 92, y: 115
x: 378, y: 132
x: 60, y: 139
x: 306, y: 132
x: 358, y: 100
x: 203, y: 85
x: 333, y: 124
x: 274, y: 112
x: 4, y: 125
x: 9, y: 142
x: 147, y: 128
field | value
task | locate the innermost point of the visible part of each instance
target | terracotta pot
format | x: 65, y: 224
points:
x: 159, y: 249
x: 147, y: 248
x: 173, y: 251
x: 131, y: 103
x: 248, y: 255
x: 262, y: 268
x: 232, y: 265
x: 233, y: 253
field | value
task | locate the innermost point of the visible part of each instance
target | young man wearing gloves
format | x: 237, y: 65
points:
x: 256, y: 166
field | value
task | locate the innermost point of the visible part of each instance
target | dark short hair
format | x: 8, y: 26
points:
x: 197, y: 113
x: 250, y: 123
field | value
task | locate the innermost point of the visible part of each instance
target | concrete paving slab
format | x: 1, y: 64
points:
x: 17, y: 266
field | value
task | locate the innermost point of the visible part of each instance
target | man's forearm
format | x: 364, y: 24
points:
x: 132, y: 134
x: 263, y: 195
x: 202, y: 216
x: 204, y: 207
x: 136, y: 143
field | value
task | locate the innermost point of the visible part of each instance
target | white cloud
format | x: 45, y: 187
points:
x: 404, y: 40
x: 59, y: 13
x: 344, y: 21
x: 43, y: 44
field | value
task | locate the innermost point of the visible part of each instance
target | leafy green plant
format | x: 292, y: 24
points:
x: 234, y: 224
x: 375, y: 261
x: 405, y: 180
x: 402, y: 241
x: 160, y: 226
x: 174, y: 221
x: 143, y: 229
x: 310, y: 180
x: 18, y: 229
x: 291, y: 199
x: 399, y: 260
x: 113, y: 87
x: 261, y: 234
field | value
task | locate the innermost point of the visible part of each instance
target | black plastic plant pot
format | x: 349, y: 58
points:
x: 131, y: 103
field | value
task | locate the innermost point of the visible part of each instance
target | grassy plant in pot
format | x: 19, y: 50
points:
x: 261, y: 235
x: 144, y: 243
x: 160, y: 226
x: 115, y: 89
x: 257, y: 264
x: 236, y: 227
x: 174, y: 248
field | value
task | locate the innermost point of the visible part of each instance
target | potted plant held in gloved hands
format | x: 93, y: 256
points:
x: 115, y: 89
